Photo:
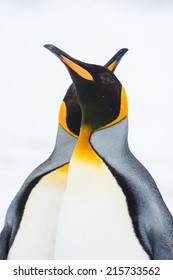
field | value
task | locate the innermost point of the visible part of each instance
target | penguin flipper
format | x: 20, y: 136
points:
x: 155, y: 222
x: 14, y: 214
x: 161, y: 240
x: 4, y: 242
x: 152, y: 220
x: 163, y: 254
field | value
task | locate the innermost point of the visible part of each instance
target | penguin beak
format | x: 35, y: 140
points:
x: 114, y: 61
x: 71, y: 63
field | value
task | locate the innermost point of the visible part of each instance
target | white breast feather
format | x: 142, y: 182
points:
x: 94, y: 222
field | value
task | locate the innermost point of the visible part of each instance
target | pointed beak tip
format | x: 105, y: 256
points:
x: 48, y: 46
x: 57, y: 52
x: 120, y: 54
x: 125, y: 50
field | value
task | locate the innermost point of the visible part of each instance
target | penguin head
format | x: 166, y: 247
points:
x: 100, y: 94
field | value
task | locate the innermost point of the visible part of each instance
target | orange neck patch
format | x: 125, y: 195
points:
x: 62, y: 119
x: 83, y: 150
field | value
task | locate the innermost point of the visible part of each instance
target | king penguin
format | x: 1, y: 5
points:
x: 30, y: 225
x: 112, y: 208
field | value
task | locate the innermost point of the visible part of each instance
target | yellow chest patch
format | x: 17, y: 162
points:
x: 57, y: 177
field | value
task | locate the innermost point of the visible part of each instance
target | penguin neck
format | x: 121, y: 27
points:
x: 64, y: 146
x: 84, y: 150
x: 111, y: 142
x: 107, y: 143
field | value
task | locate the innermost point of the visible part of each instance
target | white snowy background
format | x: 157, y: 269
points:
x: 33, y: 81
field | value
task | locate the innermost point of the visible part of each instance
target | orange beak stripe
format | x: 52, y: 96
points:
x: 78, y: 69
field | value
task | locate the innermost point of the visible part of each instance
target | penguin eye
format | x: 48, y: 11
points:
x: 106, y: 78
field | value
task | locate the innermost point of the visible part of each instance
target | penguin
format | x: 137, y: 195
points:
x: 112, y: 207
x: 32, y: 214
x: 30, y: 225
